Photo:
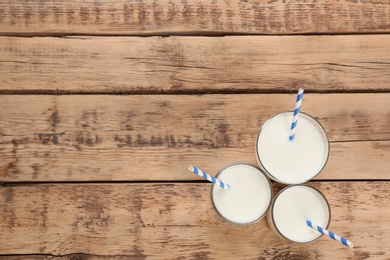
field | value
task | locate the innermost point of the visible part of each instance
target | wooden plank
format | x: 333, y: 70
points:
x: 156, y: 137
x: 194, y: 64
x: 165, y: 220
x: 193, y: 17
x: 75, y: 256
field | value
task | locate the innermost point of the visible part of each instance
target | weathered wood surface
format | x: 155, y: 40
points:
x: 193, y: 17
x: 156, y: 137
x: 75, y: 256
x: 195, y: 64
x: 145, y: 140
x: 165, y: 220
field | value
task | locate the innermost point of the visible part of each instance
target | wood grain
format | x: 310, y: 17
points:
x: 75, y: 256
x: 193, y: 17
x: 259, y: 64
x: 165, y: 220
x: 264, y: 50
x: 156, y: 137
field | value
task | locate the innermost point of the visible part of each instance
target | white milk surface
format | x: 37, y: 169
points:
x: 248, y: 197
x: 296, y: 205
x: 292, y: 162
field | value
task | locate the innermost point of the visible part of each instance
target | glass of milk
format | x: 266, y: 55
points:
x: 249, y: 196
x: 290, y: 209
x: 292, y: 162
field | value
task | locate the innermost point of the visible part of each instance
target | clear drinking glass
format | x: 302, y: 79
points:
x: 292, y: 162
x: 292, y: 207
x: 249, y: 196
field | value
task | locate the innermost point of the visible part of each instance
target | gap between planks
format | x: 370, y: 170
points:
x: 184, y: 34
x: 189, y: 92
x: 168, y: 182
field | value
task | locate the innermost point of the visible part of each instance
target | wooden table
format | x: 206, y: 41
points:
x: 104, y: 104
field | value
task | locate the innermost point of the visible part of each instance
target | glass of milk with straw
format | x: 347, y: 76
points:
x: 292, y: 207
x: 241, y: 193
x: 291, y: 151
x: 301, y: 214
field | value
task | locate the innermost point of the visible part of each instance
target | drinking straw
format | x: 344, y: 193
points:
x: 296, y: 113
x: 209, y: 177
x: 329, y: 234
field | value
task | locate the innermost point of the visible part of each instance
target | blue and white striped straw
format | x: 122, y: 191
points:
x: 209, y: 177
x: 296, y: 113
x: 329, y: 234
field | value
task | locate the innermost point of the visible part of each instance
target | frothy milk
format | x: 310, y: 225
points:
x: 292, y: 207
x: 249, y: 195
x: 292, y: 162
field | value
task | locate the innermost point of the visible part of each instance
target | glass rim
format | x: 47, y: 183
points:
x: 271, y: 211
x: 270, y: 192
x: 323, y: 133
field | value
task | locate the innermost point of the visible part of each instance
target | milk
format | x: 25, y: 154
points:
x: 249, y: 195
x: 292, y: 207
x: 292, y: 162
